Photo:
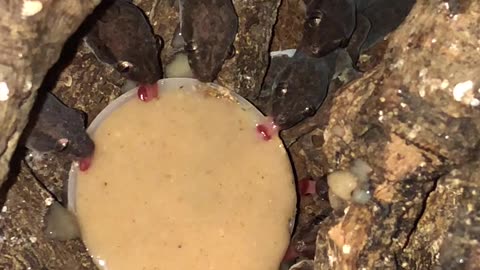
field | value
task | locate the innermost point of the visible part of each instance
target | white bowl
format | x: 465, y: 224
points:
x: 170, y: 84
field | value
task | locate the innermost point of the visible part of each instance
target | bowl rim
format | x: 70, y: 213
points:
x: 174, y: 83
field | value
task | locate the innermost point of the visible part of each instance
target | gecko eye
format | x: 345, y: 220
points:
x: 124, y: 66
x: 159, y: 40
x: 191, y: 46
x: 315, y: 19
x: 61, y: 144
x: 231, y: 52
x: 281, y: 89
x: 308, y: 111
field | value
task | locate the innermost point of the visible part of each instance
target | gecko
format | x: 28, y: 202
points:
x: 122, y: 37
x: 299, y: 90
x: 207, y: 30
x: 55, y: 127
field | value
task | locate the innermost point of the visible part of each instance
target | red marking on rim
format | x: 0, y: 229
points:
x: 147, y: 92
x: 84, y: 164
x: 307, y: 187
x: 291, y: 254
x: 267, y: 129
x: 263, y: 130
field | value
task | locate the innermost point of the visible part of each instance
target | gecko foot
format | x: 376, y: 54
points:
x: 147, y: 92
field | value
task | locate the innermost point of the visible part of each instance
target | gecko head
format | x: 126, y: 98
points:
x: 72, y: 139
x: 323, y: 33
x: 141, y: 63
x: 208, y: 37
x: 297, y: 92
x: 288, y: 111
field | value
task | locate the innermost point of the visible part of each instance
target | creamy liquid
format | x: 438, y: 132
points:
x: 184, y: 182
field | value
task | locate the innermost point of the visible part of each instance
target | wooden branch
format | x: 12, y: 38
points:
x: 33, y: 34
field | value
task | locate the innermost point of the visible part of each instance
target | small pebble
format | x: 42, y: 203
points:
x: 4, y: 91
x: 48, y: 201
x: 335, y: 202
x: 338, y: 131
x: 31, y: 8
x: 33, y: 239
x: 342, y: 183
x: 361, y: 196
x: 361, y: 170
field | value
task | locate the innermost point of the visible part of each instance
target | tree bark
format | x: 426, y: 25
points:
x: 33, y: 34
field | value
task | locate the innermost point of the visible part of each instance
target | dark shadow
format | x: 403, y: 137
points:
x: 15, y: 166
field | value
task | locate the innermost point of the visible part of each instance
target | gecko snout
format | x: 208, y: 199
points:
x: 82, y: 149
